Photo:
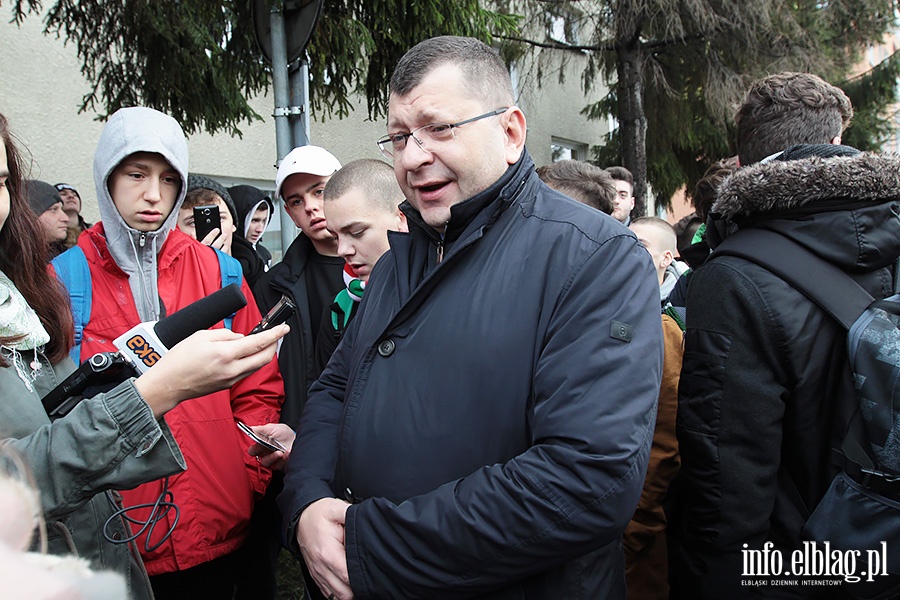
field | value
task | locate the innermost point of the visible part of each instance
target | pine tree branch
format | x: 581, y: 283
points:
x: 870, y: 70
x: 556, y: 45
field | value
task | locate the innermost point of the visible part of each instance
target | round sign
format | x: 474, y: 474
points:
x: 300, y: 17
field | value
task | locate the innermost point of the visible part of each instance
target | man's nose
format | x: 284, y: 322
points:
x: 414, y: 155
x: 344, y: 249
x: 313, y: 205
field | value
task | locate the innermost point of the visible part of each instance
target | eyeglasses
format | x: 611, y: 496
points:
x: 435, y: 133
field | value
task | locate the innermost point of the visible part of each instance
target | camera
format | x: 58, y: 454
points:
x: 100, y: 373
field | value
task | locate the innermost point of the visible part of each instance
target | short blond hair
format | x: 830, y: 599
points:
x: 376, y: 179
x: 669, y: 239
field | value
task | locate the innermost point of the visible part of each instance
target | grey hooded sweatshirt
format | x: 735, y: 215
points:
x: 128, y: 131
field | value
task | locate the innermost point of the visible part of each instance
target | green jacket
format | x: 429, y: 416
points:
x: 110, y: 441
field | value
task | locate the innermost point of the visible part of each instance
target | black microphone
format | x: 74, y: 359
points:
x: 146, y: 343
x: 140, y: 348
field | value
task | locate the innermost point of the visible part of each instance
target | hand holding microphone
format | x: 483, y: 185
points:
x: 145, y: 343
x: 200, y: 363
x: 205, y: 362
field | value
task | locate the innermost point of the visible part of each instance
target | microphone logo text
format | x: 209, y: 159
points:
x: 143, y: 350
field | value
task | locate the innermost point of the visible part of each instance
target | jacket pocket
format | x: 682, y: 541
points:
x: 702, y: 380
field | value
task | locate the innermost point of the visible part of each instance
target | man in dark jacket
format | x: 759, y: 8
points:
x: 476, y: 433
x: 764, y: 367
x: 310, y: 274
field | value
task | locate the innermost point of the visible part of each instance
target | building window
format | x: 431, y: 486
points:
x: 562, y: 27
x: 566, y: 149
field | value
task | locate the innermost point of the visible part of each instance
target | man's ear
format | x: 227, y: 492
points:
x: 513, y: 121
x: 667, y: 259
x: 402, y: 225
x: 837, y: 140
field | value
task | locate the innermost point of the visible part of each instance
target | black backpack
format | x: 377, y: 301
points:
x: 861, y: 509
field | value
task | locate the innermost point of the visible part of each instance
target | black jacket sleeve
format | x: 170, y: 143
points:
x: 731, y: 407
x: 326, y: 341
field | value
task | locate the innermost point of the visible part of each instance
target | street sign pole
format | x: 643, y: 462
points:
x: 283, y: 29
x: 299, y: 79
x: 283, y: 139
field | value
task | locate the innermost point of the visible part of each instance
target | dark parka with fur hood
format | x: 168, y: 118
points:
x: 764, y: 366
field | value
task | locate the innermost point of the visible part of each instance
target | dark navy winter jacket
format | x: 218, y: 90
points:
x: 490, y: 416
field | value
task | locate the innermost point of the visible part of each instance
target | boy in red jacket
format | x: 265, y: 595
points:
x: 142, y: 269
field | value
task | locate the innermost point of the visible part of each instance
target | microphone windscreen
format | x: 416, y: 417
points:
x: 202, y: 314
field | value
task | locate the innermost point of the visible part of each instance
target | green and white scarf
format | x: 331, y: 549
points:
x: 346, y: 298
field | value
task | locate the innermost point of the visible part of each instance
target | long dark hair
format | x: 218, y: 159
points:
x: 24, y: 256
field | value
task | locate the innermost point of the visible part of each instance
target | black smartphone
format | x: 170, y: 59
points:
x: 206, y: 218
x: 280, y: 313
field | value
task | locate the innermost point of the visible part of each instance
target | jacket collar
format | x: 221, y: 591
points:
x: 288, y: 271
x: 171, y: 248
x: 488, y: 205
x: 844, y: 209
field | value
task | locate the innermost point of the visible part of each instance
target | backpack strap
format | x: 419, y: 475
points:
x: 837, y: 294
x: 829, y: 287
x: 73, y: 271
x: 232, y: 272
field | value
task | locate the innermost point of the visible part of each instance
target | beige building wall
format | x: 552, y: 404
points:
x: 43, y: 87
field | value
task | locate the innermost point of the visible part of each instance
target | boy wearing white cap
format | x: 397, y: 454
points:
x: 310, y: 273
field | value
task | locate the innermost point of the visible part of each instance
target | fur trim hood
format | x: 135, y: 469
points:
x: 844, y: 209
x: 779, y: 186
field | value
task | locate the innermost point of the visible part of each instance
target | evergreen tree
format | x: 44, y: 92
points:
x: 198, y: 60
x: 677, y: 68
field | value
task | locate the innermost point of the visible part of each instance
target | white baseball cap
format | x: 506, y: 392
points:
x: 305, y: 159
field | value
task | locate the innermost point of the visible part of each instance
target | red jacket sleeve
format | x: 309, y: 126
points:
x: 257, y: 398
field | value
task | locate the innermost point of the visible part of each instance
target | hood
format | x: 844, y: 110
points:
x: 843, y: 208
x: 669, y: 279
x: 130, y: 130
x: 247, y: 200
x: 779, y: 186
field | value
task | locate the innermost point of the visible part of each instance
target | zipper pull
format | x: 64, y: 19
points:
x: 440, y: 251
x: 143, y: 240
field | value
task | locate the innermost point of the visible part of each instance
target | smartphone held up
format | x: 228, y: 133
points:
x: 206, y: 218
